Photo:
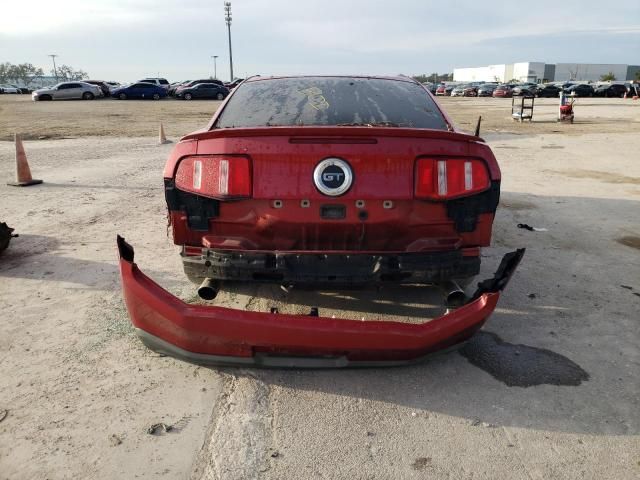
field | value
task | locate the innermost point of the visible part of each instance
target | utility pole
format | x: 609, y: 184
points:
x: 55, y: 71
x: 215, y: 68
x: 227, y: 18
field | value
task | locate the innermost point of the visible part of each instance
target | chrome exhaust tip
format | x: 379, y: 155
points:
x: 454, y: 296
x: 208, y: 290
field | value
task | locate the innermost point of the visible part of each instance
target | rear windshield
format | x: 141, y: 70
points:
x: 331, y: 101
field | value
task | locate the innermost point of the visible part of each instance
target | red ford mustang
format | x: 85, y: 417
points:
x: 322, y: 180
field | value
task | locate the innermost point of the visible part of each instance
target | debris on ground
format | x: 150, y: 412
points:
x: 530, y: 228
x: 159, y: 429
x: 3, y: 414
x: 421, y: 463
x: 114, y: 440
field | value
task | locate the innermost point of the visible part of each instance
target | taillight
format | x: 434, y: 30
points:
x: 216, y: 176
x: 445, y: 178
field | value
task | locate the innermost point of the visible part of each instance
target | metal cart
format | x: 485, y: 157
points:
x: 522, y: 108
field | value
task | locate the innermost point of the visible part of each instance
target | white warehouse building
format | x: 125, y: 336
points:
x: 544, y: 72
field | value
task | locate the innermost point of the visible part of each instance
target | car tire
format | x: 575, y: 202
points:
x: 187, y: 96
x: 88, y: 96
x: 220, y: 96
x: 45, y: 98
x: 156, y: 96
x: 122, y: 96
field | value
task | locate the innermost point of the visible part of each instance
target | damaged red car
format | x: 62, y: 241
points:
x: 324, y: 180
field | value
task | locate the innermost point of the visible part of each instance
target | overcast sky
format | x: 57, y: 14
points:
x: 129, y: 39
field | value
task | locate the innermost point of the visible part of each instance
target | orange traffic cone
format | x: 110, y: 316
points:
x: 23, y: 172
x: 162, y: 137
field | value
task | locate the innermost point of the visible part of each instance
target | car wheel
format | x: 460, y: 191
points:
x: 88, y: 96
x: 45, y: 97
x: 122, y: 96
x: 187, y: 96
x: 156, y: 96
x: 220, y: 96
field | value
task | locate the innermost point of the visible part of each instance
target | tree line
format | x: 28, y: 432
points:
x: 26, y: 73
x: 434, y: 77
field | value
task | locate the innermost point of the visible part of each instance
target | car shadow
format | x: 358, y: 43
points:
x: 387, y: 302
x: 39, y: 257
x: 559, y: 353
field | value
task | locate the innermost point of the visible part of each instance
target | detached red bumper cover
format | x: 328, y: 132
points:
x: 218, y: 335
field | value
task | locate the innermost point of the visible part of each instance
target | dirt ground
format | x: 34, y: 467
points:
x: 549, y: 390
x: 140, y: 118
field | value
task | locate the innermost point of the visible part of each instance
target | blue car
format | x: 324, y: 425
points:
x: 139, y: 90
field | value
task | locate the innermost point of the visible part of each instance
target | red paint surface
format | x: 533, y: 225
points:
x: 383, y: 162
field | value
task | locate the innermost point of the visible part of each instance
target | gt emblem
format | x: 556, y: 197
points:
x: 330, y: 177
x: 333, y: 176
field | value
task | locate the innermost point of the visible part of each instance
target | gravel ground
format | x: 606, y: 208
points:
x: 550, y: 389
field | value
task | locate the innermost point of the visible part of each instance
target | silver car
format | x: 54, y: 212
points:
x: 6, y: 88
x: 67, y: 91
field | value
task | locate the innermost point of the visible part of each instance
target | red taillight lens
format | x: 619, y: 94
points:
x: 445, y: 178
x: 216, y: 176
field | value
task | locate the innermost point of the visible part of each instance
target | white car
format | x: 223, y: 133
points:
x: 161, y: 82
x: 113, y: 85
x: 6, y: 88
x: 68, y: 91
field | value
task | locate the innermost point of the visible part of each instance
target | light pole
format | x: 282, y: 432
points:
x: 215, y: 68
x: 55, y: 71
x: 227, y: 18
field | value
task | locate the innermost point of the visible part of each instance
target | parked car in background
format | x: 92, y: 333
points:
x: 525, y: 89
x: 6, y: 88
x: 549, y: 90
x: 234, y: 84
x: 161, y: 82
x: 611, y: 90
x: 502, y: 91
x: 173, y: 86
x: 580, y: 90
x: 203, y: 90
x: 192, y: 83
x: 106, y: 90
x: 470, y: 91
x: 139, y: 90
x: 67, y: 91
x: 442, y: 90
x: 20, y: 89
x: 486, y: 90
x: 432, y: 87
x: 112, y: 85
x: 458, y: 90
